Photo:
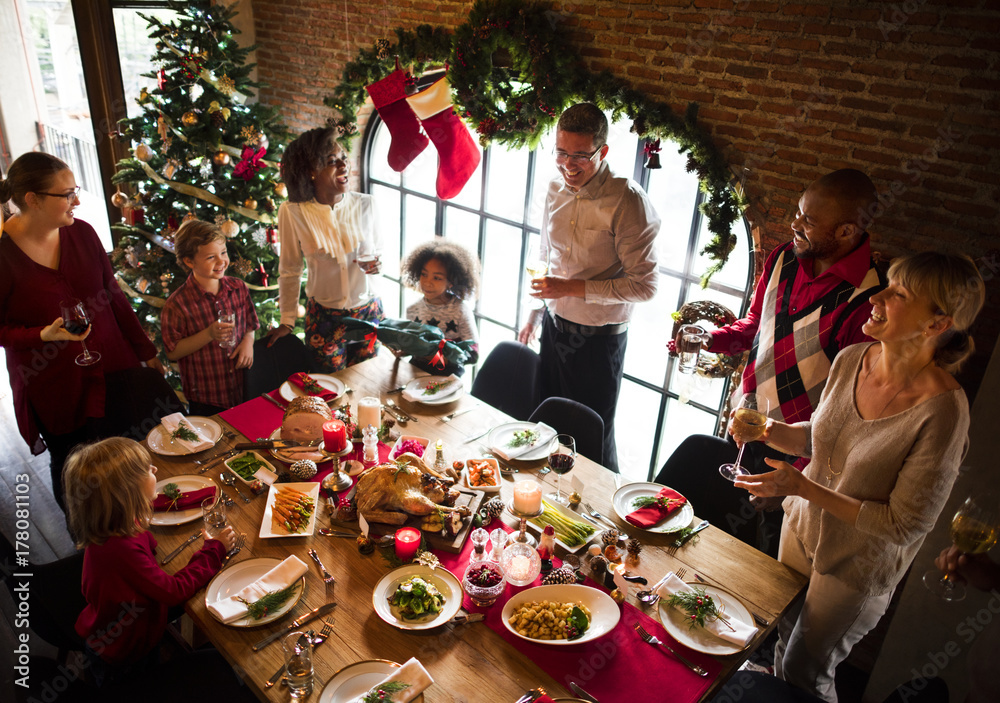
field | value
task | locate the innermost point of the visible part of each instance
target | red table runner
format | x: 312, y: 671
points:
x: 617, y: 667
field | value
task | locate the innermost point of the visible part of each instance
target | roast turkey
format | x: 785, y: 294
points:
x: 389, y: 493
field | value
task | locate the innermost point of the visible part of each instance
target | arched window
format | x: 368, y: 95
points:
x: 498, y: 215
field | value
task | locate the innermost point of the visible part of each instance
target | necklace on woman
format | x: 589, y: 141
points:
x: 829, y: 465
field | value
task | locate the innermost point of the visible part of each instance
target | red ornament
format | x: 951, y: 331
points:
x: 272, y: 235
x: 263, y: 275
x: 171, y: 223
x: 161, y: 79
x: 134, y: 215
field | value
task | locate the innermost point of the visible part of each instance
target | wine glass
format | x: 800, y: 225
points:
x: 974, y: 530
x: 226, y: 317
x: 749, y: 423
x: 535, y: 264
x: 368, y: 260
x: 562, y: 457
x: 213, y: 514
x: 76, y: 321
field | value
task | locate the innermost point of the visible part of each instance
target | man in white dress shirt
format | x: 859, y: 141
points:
x: 598, y: 232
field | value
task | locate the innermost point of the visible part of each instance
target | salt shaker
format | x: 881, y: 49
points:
x: 370, y: 443
x: 480, y: 539
x: 499, y: 539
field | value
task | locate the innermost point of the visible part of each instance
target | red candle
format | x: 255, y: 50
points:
x: 407, y: 543
x: 334, y: 436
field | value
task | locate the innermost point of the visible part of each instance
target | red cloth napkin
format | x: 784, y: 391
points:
x: 647, y: 517
x: 310, y: 386
x: 188, y: 499
x: 544, y: 699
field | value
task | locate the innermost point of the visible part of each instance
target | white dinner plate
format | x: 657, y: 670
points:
x: 185, y: 484
x: 289, y: 391
x: 604, y: 612
x: 355, y: 680
x: 267, y: 529
x: 241, y: 574
x: 444, y: 580
x: 158, y: 439
x: 624, y: 503
x: 676, y: 622
x: 573, y: 516
x: 289, y: 456
x: 446, y: 395
x: 501, y: 436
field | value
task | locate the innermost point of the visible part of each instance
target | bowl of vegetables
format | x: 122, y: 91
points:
x: 572, y: 533
x: 409, y: 443
x: 483, y: 475
x: 417, y: 597
x: 561, y: 614
x: 250, y: 466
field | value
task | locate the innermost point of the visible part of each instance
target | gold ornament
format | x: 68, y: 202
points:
x: 215, y: 110
x: 189, y: 118
x: 617, y: 596
x: 171, y: 167
x: 250, y: 204
x: 119, y: 199
x: 143, y: 152
x: 281, y: 190
x: 229, y: 228
x: 188, y: 217
x: 226, y: 85
x: 221, y: 158
x: 143, y: 96
x: 243, y: 267
x: 251, y: 136
x: 382, y: 49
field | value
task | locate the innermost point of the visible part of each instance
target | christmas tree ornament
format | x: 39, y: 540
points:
x: 249, y: 163
x: 143, y: 96
x: 171, y: 167
x: 143, y: 152
x: 161, y: 75
x: 269, y: 205
x: 260, y: 237
x: 458, y: 156
x: 250, y: 204
x: 188, y: 217
x: 229, y: 228
x: 281, y: 190
x: 251, y: 136
x: 221, y: 158
x: 189, y: 118
x: 652, y: 151
x: 382, y: 49
x: 119, y: 199
x: 243, y: 267
x: 263, y: 275
x: 389, y: 98
x: 226, y: 86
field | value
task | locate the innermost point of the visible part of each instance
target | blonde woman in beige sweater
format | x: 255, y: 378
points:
x: 885, y: 445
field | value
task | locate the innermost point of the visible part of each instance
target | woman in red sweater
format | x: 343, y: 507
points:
x: 110, y: 487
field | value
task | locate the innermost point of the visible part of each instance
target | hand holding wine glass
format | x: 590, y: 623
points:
x: 748, y: 425
x: 76, y: 321
x: 562, y: 458
x: 974, y: 530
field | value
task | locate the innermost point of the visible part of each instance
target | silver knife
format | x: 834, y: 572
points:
x: 583, y: 694
x: 180, y: 549
x: 302, y: 620
x: 481, y: 434
x: 266, y: 396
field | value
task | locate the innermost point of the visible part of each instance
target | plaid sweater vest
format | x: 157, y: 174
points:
x: 792, y: 352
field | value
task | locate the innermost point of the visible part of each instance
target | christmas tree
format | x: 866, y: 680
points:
x: 199, y: 151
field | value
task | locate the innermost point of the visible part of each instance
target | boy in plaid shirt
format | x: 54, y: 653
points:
x: 212, y: 354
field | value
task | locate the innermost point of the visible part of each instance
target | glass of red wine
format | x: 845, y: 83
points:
x: 562, y: 457
x: 76, y: 321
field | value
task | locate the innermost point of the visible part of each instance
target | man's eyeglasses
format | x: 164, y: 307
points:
x: 574, y: 159
x: 70, y: 196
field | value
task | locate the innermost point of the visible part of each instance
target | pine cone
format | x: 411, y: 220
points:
x: 303, y: 470
x: 634, y: 547
x: 598, y: 565
x: 610, y: 536
x: 493, y: 508
x: 563, y: 574
x: 218, y: 119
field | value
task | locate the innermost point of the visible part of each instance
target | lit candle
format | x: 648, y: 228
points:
x: 519, y: 568
x: 369, y: 410
x: 334, y: 436
x: 527, y: 496
x: 407, y: 543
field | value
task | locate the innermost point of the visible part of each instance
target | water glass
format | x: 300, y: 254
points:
x: 228, y: 318
x: 298, y: 664
x: 689, y: 341
x: 213, y: 514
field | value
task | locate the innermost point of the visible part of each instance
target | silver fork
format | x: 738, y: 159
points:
x: 327, y: 576
x: 594, y: 513
x: 646, y: 637
x: 240, y: 541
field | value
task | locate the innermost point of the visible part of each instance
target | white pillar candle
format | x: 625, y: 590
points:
x: 527, y: 496
x: 369, y: 412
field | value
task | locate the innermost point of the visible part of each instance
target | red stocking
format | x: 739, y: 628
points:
x: 458, y: 155
x: 407, y: 140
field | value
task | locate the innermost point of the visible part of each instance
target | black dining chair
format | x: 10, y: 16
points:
x: 570, y: 417
x: 693, y: 469
x: 508, y: 379
x: 273, y: 365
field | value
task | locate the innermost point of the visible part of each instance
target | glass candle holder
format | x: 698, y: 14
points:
x: 484, y: 582
x: 521, y: 564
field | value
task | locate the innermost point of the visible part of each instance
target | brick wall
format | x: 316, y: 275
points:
x: 907, y: 91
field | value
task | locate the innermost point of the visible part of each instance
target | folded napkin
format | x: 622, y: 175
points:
x: 172, y: 422
x: 668, y: 501
x: 413, y: 673
x: 740, y: 634
x: 283, y: 575
x: 309, y: 384
x: 188, y: 499
x: 444, y: 386
x: 545, y: 435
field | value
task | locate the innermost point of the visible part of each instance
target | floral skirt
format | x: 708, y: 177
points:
x: 325, y: 335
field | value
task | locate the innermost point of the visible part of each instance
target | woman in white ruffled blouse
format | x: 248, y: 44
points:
x: 329, y: 227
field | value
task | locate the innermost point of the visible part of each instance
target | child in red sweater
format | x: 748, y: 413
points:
x: 110, y: 487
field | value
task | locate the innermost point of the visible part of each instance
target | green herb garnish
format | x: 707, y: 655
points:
x: 434, y: 387
x: 577, y: 623
x: 651, y: 501
x: 309, y: 385
x: 269, y: 602
x: 173, y: 492
x: 523, y: 438
x: 184, y: 432
x: 698, y: 605
x: 383, y: 692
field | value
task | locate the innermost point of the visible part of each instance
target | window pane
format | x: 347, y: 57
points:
x: 419, y: 221
x: 648, y: 334
x: 734, y: 273
x: 507, y: 183
x: 545, y: 171
x: 635, y: 427
x: 673, y: 192
x: 378, y: 158
x: 462, y: 227
x: 490, y: 335
x: 387, y: 212
x: 680, y: 422
x: 503, y: 252
x: 472, y: 191
x: 421, y: 174
x: 135, y: 46
x: 621, y: 148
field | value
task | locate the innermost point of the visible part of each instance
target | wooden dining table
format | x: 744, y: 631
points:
x: 462, y: 659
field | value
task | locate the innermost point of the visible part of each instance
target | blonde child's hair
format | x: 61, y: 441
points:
x: 460, y: 264
x: 104, y: 492
x: 192, y: 235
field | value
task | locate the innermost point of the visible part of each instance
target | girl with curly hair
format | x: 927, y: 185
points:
x: 447, y: 274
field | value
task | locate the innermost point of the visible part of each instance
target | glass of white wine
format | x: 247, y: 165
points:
x: 535, y: 264
x: 749, y: 423
x: 974, y: 530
